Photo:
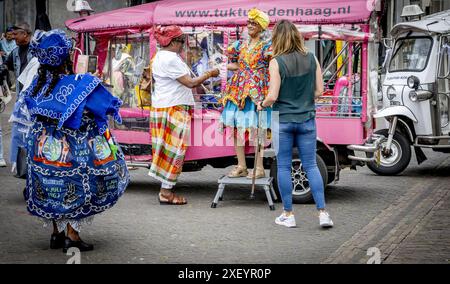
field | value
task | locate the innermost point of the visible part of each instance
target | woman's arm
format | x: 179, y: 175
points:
x: 319, y: 80
x: 274, y: 87
x: 190, y: 82
x: 233, y: 66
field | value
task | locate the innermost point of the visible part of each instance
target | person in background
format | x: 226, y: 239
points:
x: 3, y: 76
x: 2, y: 159
x: 170, y: 114
x: 295, y: 82
x: 17, y: 61
x: 7, y: 45
x: 7, y: 42
x: 20, y: 117
x: 21, y: 55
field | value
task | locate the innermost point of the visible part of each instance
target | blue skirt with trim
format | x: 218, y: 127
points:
x: 245, y: 119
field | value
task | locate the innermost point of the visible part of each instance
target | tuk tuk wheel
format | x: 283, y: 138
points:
x: 301, y: 191
x: 393, y: 161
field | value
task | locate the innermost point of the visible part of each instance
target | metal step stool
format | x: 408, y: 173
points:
x: 265, y: 183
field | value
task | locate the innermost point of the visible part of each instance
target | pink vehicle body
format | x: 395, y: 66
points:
x: 344, y: 113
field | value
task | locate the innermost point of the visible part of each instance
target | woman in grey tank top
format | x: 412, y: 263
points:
x: 295, y: 81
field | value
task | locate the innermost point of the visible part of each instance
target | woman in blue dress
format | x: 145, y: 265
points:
x: 75, y: 167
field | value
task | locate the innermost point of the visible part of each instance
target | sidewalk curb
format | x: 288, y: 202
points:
x: 394, y: 224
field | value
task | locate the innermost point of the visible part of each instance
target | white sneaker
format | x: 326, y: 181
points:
x: 2, y: 163
x: 288, y: 221
x: 325, y: 220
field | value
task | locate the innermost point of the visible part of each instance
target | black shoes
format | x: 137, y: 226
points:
x: 82, y: 246
x: 57, y: 240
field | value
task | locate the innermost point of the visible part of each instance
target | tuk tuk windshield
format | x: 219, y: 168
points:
x: 410, y: 54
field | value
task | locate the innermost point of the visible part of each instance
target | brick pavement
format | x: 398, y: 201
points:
x: 139, y: 230
x: 414, y: 229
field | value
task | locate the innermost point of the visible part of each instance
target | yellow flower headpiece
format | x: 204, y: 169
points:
x: 260, y: 17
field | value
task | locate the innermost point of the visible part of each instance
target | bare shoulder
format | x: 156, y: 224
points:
x: 317, y: 62
x: 273, y: 63
x: 315, y: 57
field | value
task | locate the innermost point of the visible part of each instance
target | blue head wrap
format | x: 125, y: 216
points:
x: 51, y: 48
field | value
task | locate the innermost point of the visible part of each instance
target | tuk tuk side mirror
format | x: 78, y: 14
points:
x: 413, y: 82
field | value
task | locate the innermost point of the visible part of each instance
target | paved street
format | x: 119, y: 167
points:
x: 406, y: 218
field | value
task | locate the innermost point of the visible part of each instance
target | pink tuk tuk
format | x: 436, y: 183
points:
x: 341, y: 34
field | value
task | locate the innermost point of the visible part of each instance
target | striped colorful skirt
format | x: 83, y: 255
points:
x: 170, y: 137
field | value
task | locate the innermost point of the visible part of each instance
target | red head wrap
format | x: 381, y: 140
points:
x: 164, y: 35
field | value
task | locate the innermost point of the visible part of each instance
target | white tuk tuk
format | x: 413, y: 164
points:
x: 416, y: 92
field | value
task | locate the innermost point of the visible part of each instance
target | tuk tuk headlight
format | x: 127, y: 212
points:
x: 391, y: 93
x: 413, y: 82
x: 413, y: 96
x: 420, y: 95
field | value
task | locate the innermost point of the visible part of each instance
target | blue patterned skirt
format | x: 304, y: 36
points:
x: 73, y: 174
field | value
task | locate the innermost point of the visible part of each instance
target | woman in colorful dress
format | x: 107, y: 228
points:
x: 75, y: 168
x: 170, y: 116
x: 247, y: 87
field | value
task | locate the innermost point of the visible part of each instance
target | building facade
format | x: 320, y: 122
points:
x: 15, y: 11
x: 395, y: 7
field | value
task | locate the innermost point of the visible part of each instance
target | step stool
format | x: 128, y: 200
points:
x: 265, y: 183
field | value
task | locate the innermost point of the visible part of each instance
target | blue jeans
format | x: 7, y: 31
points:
x: 18, y: 139
x: 303, y: 136
x: 1, y: 143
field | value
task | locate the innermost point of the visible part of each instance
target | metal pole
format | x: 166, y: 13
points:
x: 336, y: 58
x: 86, y: 43
x: 319, y: 50
x: 257, y: 150
x: 365, y: 75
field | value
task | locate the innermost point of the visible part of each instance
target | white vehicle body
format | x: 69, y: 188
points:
x: 416, y: 96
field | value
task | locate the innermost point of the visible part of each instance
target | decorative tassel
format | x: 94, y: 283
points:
x: 112, y: 146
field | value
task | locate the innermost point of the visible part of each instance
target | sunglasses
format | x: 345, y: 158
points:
x: 252, y: 23
x: 181, y: 40
x: 19, y: 31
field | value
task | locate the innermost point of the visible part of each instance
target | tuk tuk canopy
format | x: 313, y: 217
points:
x: 229, y: 13
x: 126, y: 20
x: 223, y: 13
x: 323, y: 19
x: 436, y: 23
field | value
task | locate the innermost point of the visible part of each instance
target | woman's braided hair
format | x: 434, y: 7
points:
x: 53, y: 72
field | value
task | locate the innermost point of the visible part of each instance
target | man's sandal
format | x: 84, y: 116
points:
x: 171, y: 199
